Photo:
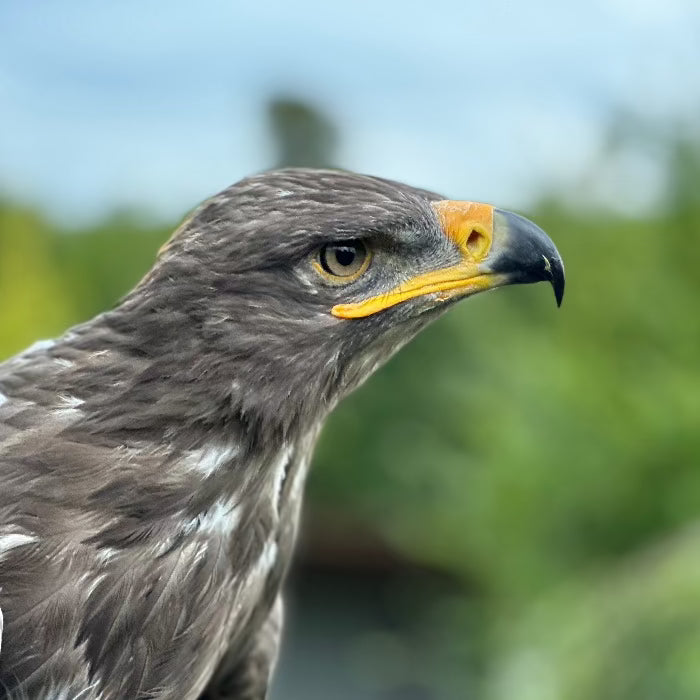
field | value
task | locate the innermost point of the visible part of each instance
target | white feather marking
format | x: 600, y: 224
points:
x: 284, y: 193
x: 68, y: 414
x: 210, y: 458
x: 264, y: 565
x: 88, y: 584
x: 221, y: 519
x: 41, y: 345
x: 66, y: 401
x: 68, y: 693
x: 62, y: 362
x: 298, y: 481
x: 82, y: 693
x: 268, y: 558
x: 8, y: 542
x: 106, y: 554
x: 200, y: 552
x: 3, y: 399
x: 279, y: 472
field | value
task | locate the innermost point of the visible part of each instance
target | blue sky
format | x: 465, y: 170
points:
x: 159, y: 103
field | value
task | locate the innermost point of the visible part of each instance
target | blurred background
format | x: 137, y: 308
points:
x: 511, y: 507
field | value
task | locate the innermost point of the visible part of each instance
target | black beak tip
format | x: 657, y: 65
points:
x: 558, y: 279
x: 559, y: 295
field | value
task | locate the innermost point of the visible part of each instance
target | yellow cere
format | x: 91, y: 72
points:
x: 468, y: 224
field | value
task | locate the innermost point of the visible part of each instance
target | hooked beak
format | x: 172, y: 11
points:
x: 524, y: 253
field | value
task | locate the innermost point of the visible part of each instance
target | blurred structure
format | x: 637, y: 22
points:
x: 302, y: 134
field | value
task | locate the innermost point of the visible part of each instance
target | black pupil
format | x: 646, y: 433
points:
x: 345, y: 255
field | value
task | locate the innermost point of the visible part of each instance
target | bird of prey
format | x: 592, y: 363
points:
x: 153, y: 459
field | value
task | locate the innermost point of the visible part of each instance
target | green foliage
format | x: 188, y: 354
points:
x: 547, y: 458
x: 33, y: 292
x: 629, y: 632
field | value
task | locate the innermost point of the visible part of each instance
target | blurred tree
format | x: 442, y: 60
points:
x: 684, y: 183
x: 303, y: 135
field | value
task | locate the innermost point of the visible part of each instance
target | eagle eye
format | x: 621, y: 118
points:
x: 344, y: 261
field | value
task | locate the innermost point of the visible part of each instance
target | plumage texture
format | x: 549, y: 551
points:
x: 152, y: 460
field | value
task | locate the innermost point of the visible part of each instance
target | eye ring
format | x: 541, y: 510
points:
x: 344, y: 261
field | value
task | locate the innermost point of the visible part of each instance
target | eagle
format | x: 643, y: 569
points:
x: 153, y: 459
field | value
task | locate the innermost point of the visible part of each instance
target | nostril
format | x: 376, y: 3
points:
x: 477, y: 243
